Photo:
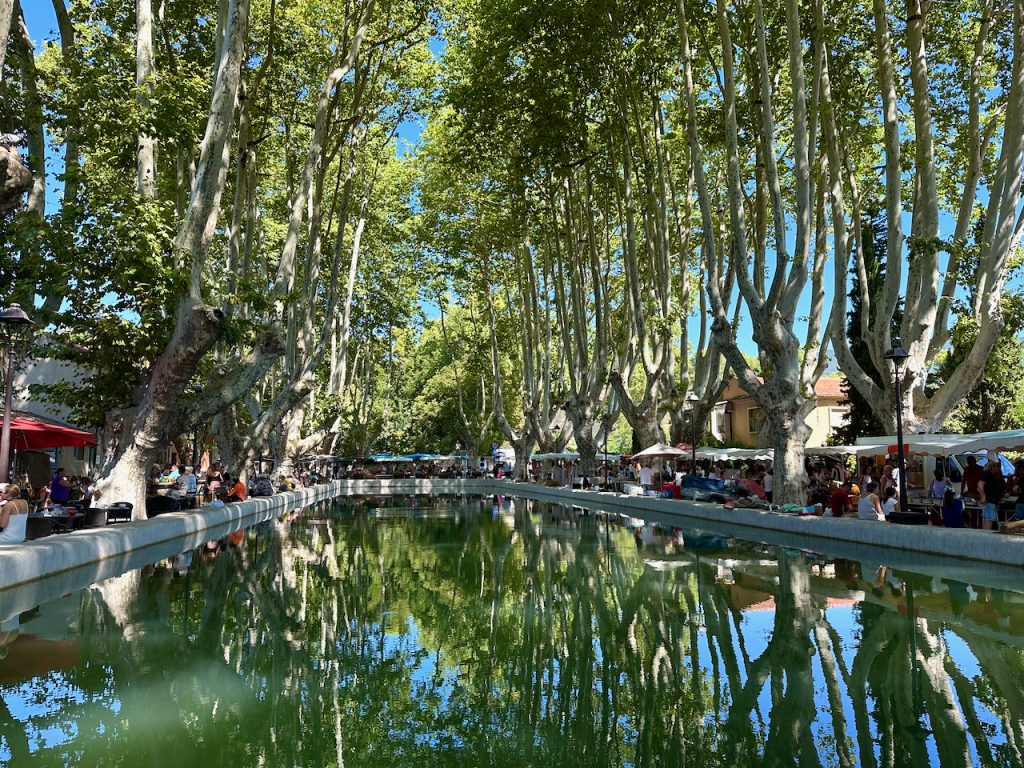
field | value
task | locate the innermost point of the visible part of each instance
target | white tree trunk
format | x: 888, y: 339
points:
x: 145, y: 71
x: 6, y: 16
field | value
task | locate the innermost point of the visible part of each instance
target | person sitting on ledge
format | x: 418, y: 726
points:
x: 839, y: 502
x: 1012, y: 526
x: 751, y: 486
x: 13, y: 516
x: 868, y: 506
x: 891, y: 503
x: 236, y: 491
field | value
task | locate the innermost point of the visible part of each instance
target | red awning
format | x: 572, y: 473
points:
x: 27, y: 434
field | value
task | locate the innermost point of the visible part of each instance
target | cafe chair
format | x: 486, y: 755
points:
x: 120, y: 511
x: 158, y: 505
x: 38, y: 527
x: 95, y: 518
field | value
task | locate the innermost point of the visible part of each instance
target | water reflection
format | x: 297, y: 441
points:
x: 482, y: 632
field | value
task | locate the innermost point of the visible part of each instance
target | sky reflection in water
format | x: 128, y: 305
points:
x: 451, y: 632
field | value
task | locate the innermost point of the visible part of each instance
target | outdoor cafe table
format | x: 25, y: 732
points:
x: 68, y: 518
x: 159, y: 489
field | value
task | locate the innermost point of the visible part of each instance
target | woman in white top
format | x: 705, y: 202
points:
x: 13, y: 516
x: 890, y: 504
x: 868, y: 507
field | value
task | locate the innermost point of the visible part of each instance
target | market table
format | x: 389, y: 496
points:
x: 55, y: 519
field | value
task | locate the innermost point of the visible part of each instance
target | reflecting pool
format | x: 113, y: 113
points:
x: 491, y: 632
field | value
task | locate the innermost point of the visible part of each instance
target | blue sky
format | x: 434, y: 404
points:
x: 40, y: 18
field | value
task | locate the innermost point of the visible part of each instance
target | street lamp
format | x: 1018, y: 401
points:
x: 15, y: 326
x: 899, y: 356
x: 692, y: 400
x: 607, y: 428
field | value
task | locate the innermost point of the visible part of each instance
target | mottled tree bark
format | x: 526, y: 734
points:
x: 145, y: 71
x: 197, y: 326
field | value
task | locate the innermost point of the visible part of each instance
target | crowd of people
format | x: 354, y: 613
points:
x: 873, y: 493
x: 876, y: 495
x: 219, y: 485
x: 178, y: 485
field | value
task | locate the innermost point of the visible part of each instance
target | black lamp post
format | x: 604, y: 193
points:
x: 899, y: 356
x: 15, y: 326
x: 556, y: 429
x: 692, y: 400
x: 607, y: 429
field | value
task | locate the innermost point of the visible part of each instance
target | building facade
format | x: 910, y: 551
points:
x: 738, y: 418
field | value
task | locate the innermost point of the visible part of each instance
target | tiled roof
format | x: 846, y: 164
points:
x: 829, y: 388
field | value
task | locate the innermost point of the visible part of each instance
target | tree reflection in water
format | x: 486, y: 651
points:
x: 453, y: 632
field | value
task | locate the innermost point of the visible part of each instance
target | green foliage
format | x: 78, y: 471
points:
x: 997, y: 402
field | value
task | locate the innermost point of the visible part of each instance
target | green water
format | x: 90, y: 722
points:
x: 455, y: 632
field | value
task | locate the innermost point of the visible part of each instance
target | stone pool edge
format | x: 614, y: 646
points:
x: 960, y: 544
x: 53, y: 555
x: 21, y: 564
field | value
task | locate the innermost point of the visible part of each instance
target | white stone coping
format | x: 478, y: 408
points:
x: 114, y: 545
x: 957, y: 543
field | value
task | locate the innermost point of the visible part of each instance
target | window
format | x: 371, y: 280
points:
x: 80, y: 453
x: 755, y: 420
x: 836, y: 418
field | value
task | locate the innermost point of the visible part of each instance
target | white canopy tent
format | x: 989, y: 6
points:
x: 736, y: 454
x: 842, y: 451
x: 1009, y: 440
x: 715, y: 454
x: 660, y: 451
x: 752, y: 454
x: 943, y: 444
x: 563, y: 456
